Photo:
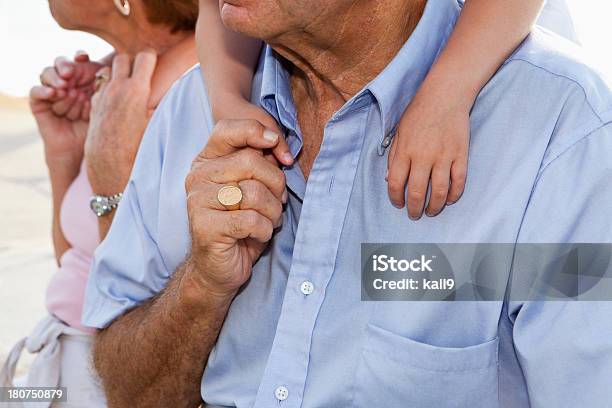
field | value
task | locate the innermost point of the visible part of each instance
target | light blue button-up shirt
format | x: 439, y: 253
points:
x: 540, y: 170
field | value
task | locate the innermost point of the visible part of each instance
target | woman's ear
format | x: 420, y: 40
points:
x: 123, y: 6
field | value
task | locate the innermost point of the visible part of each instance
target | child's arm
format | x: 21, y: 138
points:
x: 433, y: 134
x: 227, y: 61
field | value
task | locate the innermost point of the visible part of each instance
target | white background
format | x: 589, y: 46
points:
x: 30, y: 39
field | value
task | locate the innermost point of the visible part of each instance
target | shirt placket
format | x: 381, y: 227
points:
x: 316, y: 244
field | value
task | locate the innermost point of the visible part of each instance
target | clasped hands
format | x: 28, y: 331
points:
x: 226, y: 243
x: 78, y: 115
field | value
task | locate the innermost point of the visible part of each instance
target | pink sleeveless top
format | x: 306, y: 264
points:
x: 80, y: 227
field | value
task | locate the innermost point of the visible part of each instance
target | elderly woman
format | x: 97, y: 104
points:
x: 89, y: 150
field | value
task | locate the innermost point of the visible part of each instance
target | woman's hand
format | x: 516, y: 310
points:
x: 60, y: 105
x: 74, y: 81
x: 119, y: 116
x: 63, y: 138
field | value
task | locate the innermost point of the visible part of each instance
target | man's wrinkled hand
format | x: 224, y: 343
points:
x: 225, y: 244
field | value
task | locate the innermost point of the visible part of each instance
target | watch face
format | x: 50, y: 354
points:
x: 99, y: 205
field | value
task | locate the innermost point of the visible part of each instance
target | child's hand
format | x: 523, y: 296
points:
x: 430, y: 147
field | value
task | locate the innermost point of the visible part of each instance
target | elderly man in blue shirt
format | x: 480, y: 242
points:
x: 200, y: 303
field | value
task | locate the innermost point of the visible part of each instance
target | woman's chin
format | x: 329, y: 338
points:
x: 59, y: 15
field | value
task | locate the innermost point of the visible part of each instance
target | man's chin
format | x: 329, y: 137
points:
x: 241, y: 20
x: 235, y: 17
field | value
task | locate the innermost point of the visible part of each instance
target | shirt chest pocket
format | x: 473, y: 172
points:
x: 395, y: 371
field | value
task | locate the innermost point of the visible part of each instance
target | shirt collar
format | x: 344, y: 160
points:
x: 397, y: 84
x: 392, y: 89
x: 275, y: 94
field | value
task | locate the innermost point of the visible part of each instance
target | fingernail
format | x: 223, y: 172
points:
x: 270, y: 136
x: 387, y: 176
x: 396, y: 205
x: 65, y: 70
x: 287, y: 158
x: 285, y: 196
x: 450, y: 202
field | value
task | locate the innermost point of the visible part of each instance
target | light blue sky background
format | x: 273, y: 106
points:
x: 30, y: 39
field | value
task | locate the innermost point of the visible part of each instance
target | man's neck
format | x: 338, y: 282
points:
x: 346, y: 54
x: 332, y: 60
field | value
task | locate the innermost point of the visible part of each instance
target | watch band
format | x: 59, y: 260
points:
x: 104, y: 205
x: 115, y: 199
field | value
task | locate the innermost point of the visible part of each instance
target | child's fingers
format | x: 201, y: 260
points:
x: 64, y: 67
x: 50, y: 77
x: 396, y: 179
x: 61, y: 107
x: 81, y: 56
x: 418, y: 180
x: 86, y: 111
x: 75, y: 110
x: 458, y: 175
x: 440, y: 180
x: 391, y: 157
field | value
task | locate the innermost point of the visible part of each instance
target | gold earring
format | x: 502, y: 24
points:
x: 123, y: 6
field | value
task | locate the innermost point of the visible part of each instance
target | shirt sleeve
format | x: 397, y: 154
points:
x: 127, y: 266
x: 149, y: 237
x: 565, y: 347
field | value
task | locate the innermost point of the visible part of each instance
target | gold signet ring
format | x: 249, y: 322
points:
x: 230, y: 196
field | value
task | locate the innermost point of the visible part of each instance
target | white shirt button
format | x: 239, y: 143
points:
x: 281, y: 393
x: 307, y: 287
